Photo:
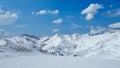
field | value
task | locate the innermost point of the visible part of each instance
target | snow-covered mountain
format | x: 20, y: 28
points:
x: 103, y: 43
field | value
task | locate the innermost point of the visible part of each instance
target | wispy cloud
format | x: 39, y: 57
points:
x: 43, y: 12
x: 22, y: 26
x: 111, y: 6
x: 2, y: 30
x: 53, y: 12
x: 97, y: 30
x: 114, y: 25
x: 75, y: 26
x: 58, y: 21
x: 7, y: 17
x: 113, y: 13
x: 91, y: 10
x: 55, y: 30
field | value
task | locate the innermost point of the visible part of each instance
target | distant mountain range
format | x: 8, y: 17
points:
x: 97, y: 43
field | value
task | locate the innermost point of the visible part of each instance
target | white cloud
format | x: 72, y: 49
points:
x: 113, y: 13
x: 43, y: 12
x: 53, y: 12
x: 89, y: 17
x: 56, y: 30
x: 91, y: 10
x: 7, y: 17
x: 97, y: 30
x: 58, y: 21
x: 115, y: 25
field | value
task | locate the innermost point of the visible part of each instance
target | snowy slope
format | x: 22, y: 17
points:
x: 18, y: 45
x: 99, y: 43
x: 58, y: 62
x: 106, y: 44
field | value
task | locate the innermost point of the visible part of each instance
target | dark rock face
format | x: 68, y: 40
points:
x: 31, y: 36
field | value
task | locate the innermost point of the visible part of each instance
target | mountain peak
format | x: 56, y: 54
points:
x: 30, y: 36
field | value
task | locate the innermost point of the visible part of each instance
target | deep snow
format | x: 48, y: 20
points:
x: 58, y: 62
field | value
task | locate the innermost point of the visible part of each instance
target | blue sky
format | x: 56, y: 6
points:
x: 47, y: 17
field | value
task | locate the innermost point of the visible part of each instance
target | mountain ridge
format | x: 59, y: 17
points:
x: 104, y: 44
